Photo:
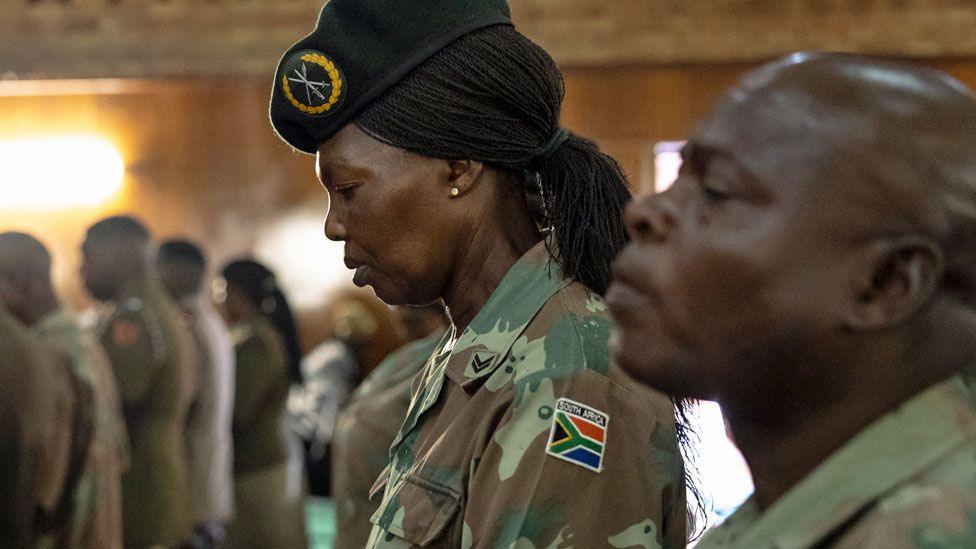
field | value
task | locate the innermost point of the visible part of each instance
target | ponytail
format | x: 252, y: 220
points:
x: 260, y: 285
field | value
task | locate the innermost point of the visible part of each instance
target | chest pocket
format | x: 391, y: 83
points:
x: 419, y: 511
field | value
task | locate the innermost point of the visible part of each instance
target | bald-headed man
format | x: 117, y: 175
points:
x: 26, y: 288
x: 813, y: 269
x: 152, y: 355
x: 182, y: 270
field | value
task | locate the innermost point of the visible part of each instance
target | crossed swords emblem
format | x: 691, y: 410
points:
x: 311, y: 86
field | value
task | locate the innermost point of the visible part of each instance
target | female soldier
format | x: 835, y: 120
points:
x: 269, y: 503
x: 436, y: 126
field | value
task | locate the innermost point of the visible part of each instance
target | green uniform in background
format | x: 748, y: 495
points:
x: 96, y: 518
x: 907, y: 481
x: 364, y: 431
x: 270, y: 512
x: 152, y: 355
x: 522, y: 434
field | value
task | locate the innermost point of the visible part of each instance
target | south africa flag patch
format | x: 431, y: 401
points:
x: 578, y: 435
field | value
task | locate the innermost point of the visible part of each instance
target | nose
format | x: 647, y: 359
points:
x: 335, y: 230
x: 650, y: 218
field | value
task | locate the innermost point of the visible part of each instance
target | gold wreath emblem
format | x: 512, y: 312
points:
x: 334, y: 76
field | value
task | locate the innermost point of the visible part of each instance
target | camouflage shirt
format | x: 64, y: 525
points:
x: 364, y: 431
x: 907, y: 481
x: 154, y: 361
x: 521, y: 433
x: 96, y: 518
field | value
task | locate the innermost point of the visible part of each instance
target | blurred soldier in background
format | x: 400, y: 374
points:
x: 45, y: 431
x: 182, y: 270
x: 26, y: 288
x: 369, y: 421
x: 269, y: 487
x: 152, y: 354
x: 364, y: 331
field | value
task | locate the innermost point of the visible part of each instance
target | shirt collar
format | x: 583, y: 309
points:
x: 520, y: 295
x: 890, y: 451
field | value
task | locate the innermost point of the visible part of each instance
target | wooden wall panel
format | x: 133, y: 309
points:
x: 204, y: 38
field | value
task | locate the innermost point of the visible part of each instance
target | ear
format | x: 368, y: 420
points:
x: 463, y: 174
x: 895, y: 279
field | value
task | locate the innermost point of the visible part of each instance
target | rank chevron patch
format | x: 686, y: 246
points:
x: 578, y: 434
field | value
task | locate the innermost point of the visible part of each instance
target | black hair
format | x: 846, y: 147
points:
x: 260, y: 286
x: 494, y: 96
x: 182, y: 251
x: 119, y: 226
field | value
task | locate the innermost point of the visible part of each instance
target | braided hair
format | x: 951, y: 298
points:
x: 494, y: 96
x: 260, y: 286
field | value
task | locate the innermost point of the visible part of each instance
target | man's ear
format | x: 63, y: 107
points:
x: 463, y: 175
x: 893, y: 280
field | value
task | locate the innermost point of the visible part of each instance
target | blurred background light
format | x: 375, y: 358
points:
x: 667, y: 163
x: 53, y: 173
x: 309, y: 266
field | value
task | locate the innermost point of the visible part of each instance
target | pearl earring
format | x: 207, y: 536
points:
x: 455, y: 191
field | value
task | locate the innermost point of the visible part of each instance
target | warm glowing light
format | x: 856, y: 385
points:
x: 52, y: 173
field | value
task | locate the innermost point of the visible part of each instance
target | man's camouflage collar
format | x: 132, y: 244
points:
x: 891, y: 451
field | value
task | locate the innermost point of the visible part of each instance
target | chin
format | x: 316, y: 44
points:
x: 659, y: 369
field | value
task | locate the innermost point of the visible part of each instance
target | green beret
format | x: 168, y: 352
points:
x: 358, y: 50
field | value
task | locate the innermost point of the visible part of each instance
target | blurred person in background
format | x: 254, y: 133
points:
x: 269, y: 486
x: 364, y: 331
x: 369, y: 421
x: 813, y: 269
x: 450, y: 180
x: 27, y: 291
x: 153, y: 357
x: 182, y: 269
x: 46, y: 425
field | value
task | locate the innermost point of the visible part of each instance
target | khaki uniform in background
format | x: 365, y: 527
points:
x: 522, y: 434
x: 96, y: 519
x: 45, y: 430
x: 364, y: 431
x: 152, y: 355
x: 270, y: 504
x: 209, y: 445
x: 908, y: 481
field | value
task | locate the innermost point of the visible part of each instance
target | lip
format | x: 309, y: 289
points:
x: 351, y: 263
x: 623, y: 299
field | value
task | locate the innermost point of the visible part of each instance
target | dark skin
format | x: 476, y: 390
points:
x: 25, y: 278
x: 408, y: 237
x: 181, y: 279
x: 800, y: 270
x: 113, y: 265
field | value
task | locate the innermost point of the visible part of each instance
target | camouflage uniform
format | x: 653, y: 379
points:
x: 96, y: 518
x: 907, y: 481
x: 45, y: 432
x: 153, y: 358
x: 522, y: 434
x: 364, y: 431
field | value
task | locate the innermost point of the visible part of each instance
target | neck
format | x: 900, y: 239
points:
x: 40, y: 307
x: 785, y: 444
x: 127, y: 287
x: 484, y: 263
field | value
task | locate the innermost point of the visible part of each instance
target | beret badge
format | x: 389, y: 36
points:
x: 312, y: 82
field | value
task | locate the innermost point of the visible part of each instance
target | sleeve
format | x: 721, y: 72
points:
x: 256, y: 375
x: 578, y: 460
x: 133, y: 353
